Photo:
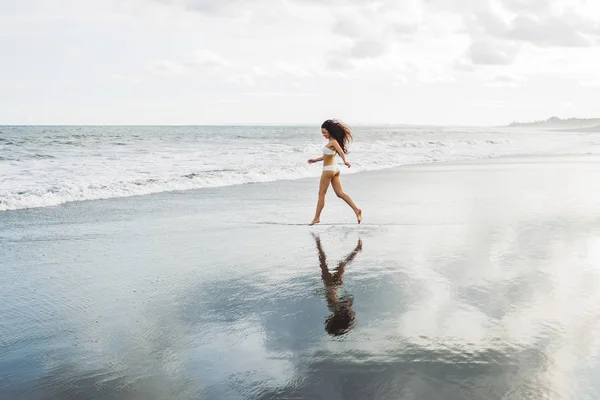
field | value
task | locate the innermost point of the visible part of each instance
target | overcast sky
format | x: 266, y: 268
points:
x: 471, y: 62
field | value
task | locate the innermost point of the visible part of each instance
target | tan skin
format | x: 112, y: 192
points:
x: 333, y: 178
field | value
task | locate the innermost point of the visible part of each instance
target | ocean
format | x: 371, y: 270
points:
x: 50, y: 165
x: 467, y: 278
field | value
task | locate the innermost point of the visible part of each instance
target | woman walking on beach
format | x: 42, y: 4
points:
x: 338, y: 136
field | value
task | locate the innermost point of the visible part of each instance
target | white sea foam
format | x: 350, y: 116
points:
x: 41, y: 166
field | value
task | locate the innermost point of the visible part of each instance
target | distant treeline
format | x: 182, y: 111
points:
x: 555, y: 122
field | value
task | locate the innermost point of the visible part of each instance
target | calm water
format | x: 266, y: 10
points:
x: 465, y: 282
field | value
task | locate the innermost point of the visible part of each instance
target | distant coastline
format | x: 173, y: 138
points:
x: 569, y: 124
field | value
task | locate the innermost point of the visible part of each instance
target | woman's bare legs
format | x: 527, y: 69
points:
x: 323, y: 186
x: 336, y: 183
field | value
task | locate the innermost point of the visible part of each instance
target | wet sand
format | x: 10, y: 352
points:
x: 475, y: 280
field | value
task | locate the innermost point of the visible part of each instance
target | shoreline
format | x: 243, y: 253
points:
x: 522, y: 158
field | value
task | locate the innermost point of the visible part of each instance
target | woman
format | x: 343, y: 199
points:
x: 338, y: 136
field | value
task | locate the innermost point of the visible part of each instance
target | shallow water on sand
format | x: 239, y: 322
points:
x: 464, y: 282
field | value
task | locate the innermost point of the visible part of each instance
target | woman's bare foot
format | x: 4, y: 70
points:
x: 315, y: 221
x: 359, y: 216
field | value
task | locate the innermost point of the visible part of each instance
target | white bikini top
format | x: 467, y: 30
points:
x: 328, y: 151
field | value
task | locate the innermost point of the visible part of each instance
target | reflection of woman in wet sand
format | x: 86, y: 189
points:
x: 342, y: 319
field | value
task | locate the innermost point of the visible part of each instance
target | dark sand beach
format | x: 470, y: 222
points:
x: 473, y: 280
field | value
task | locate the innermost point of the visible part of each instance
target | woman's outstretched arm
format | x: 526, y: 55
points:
x: 349, y: 257
x: 314, y: 160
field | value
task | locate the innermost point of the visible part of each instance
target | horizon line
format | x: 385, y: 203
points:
x: 363, y: 124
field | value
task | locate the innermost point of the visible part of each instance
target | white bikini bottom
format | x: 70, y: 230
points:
x: 333, y: 168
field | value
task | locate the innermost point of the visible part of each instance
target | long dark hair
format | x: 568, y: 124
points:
x: 339, y: 131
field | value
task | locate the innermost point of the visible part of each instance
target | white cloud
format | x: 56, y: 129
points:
x: 339, y: 60
x: 400, y: 80
x: 506, y: 80
x: 350, y: 27
x: 566, y: 104
x: 499, y: 28
x: 259, y: 71
x: 491, y: 53
x: 535, y: 6
x: 371, y: 29
x: 206, y: 58
x: 242, y: 79
x: 166, y: 68
x: 210, y: 7
x: 556, y: 31
x: 357, y: 52
x: 488, y: 103
x: 294, y: 70
x: 278, y: 94
x: 434, y: 76
x: 591, y: 82
x: 130, y: 79
x: 368, y: 49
